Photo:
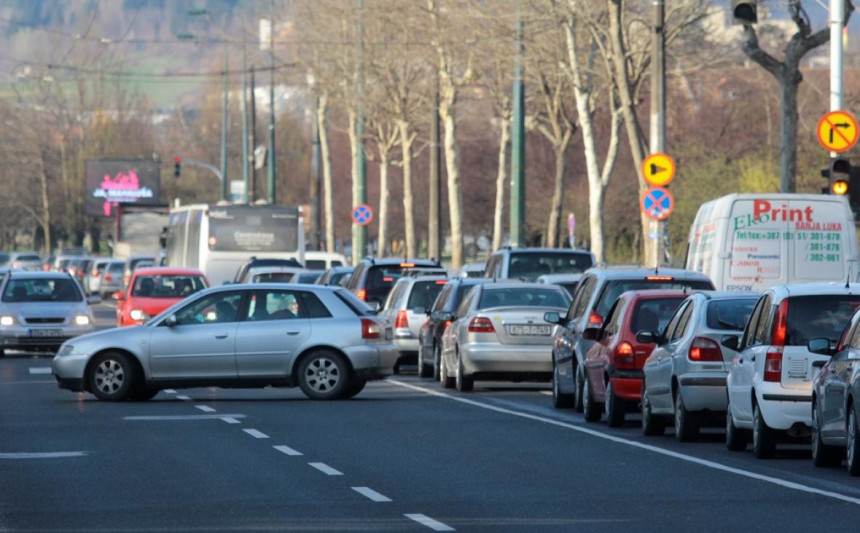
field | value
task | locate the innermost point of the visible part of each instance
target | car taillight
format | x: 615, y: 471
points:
x: 704, y: 349
x: 481, y: 324
x: 624, y: 355
x: 401, y: 322
x: 370, y: 329
x: 773, y: 364
x: 445, y: 325
x: 594, y: 318
x: 362, y: 295
x: 780, y: 325
x: 108, y: 277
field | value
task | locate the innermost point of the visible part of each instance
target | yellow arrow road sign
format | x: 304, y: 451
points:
x: 837, y: 131
x: 658, y: 169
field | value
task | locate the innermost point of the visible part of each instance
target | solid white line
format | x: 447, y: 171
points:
x: 256, y: 434
x: 287, y: 450
x: 46, y: 455
x: 371, y: 494
x: 425, y: 520
x: 326, y: 469
x: 169, y: 391
x: 40, y: 370
x: 703, y: 462
x: 205, y: 408
x: 184, y: 417
x: 230, y: 419
x: 183, y: 398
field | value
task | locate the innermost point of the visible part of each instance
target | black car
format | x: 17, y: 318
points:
x: 242, y: 273
x: 373, y: 278
x: 441, y: 314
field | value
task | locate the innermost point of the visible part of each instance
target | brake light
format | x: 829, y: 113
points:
x: 594, y: 318
x: 370, y: 329
x: 401, y: 322
x: 773, y: 364
x: 445, y: 325
x: 624, y: 355
x: 481, y: 324
x: 108, y: 277
x: 704, y: 349
x: 659, y: 278
x: 362, y: 295
x: 780, y: 325
x: 407, y: 265
x: 441, y: 282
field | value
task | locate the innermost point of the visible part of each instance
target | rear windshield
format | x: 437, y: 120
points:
x: 523, y: 297
x: 350, y: 300
x: 653, y: 315
x: 167, y: 286
x: 315, y: 264
x: 384, y: 277
x: 820, y: 316
x: 275, y: 277
x: 42, y: 290
x: 424, y: 293
x: 116, y: 268
x: 729, y: 314
x: 339, y: 278
x: 570, y: 287
x: 614, y: 289
x: 532, y: 265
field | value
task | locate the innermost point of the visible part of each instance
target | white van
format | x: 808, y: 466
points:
x: 317, y: 260
x: 749, y: 242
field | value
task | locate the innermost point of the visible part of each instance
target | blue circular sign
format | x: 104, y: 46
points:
x: 362, y: 214
x: 657, y: 203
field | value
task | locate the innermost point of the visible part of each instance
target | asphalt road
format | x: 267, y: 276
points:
x: 404, y: 455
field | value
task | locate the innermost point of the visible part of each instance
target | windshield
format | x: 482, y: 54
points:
x: 42, y: 290
x: 654, y: 313
x: 523, y: 297
x: 167, y: 286
x: 531, y: 265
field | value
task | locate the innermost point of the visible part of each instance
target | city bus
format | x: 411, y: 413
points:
x: 218, y: 239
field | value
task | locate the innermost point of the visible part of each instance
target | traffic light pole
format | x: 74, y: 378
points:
x: 518, y: 145
x: 224, y: 191
x: 657, y: 229
x: 837, y: 15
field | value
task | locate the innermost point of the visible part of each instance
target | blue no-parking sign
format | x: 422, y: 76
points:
x: 362, y: 214
x: 657, y: 203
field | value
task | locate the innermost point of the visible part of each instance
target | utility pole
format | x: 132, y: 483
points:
x: 837, y: 16
x: 657, y: 229
x: 245, y: 161
x: 273, y: 199
x: 224, y: 183
x: 433, y: 234
x: 252, y: 197
x: 359, y: 233
x: 315, y: 167
x: 518, y: 145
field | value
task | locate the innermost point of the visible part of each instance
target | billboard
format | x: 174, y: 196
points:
x: 113, y: 181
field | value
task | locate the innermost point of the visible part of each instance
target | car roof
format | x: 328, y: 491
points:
x: 653, y: 294
x: 273, y: 285
x: 387, y: 261
x: 679, y: 274
x: 813, y: 289
x: 156, y: 270
x: 523, y: 285
x: 538, y: 249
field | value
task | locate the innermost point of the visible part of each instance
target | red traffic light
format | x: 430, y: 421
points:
x: 177, y: 159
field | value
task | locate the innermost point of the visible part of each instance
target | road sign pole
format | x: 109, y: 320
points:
x: 658, y: 118
x: 837, y: 13
x: 518, y: 145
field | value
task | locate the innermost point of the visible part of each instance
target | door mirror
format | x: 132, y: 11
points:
x: 170, y: 321
x: 591, y: 334
x: 647, y: 337
x: 94, y: 299
x: 118, y: 295
x: 732, y: 342
x: 443, y: 316
x: 375, y: 306
x: 820, y: 346
x: 552, y: 317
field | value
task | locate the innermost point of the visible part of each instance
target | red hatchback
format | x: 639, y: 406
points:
x: 151, y: 290
x: 613, y: 366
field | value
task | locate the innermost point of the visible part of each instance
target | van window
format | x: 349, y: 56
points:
x: 819, y: 251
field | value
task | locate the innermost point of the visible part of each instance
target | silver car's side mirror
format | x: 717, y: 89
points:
x: 170, y: 321
x: 376, y: 306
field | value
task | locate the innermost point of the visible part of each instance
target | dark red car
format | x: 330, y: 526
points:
x: 613, y: 366
x: 151, y: 290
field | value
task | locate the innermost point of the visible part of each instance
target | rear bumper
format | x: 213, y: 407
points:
x: 409, y: 345
x: 627, y: 388
x: 373, y: 361
x: 498, y: 358
x: 784, y: 408
x: 704, y: 391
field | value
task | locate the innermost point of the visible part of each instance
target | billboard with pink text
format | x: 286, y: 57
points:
x: 114, y: 181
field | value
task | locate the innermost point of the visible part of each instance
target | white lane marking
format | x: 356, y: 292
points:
x: 256, y: 434
x: 185, y: 417
x: 45, y: 455
x: 371, y: 494
x: 287, y: 450
x: 425, y: 520
x: 183, y: 398
x: 546, y: 392
x: 689, y: 458
x: 169, y: 391
x: 326, y: 469
x: 205, y: 408
x: 40, y: 370
x: 231, y: 419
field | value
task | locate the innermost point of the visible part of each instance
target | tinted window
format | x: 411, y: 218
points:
x: 273, y: 277
x: 384, y: 277
x: 729, y: 314
x: 314, y: 308
x: 178, y: 286
x: 315, y: 264
x: 570, y: 287
x: 614, y: 288
x: 653, y: 315
x: 522, y: 297
x: 683, y: 321
x: 583, y: 295
x: 613, y: 320
x: 42, y: 290
x: 424, y: 293
x: 531, y: 265
x: 116, y: 268
x: 811, y: 317
x: 444, y: 297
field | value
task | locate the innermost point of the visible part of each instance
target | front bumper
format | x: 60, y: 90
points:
x: 509, y: 359
x: 373, y: 361
x: 68, y: 370
x: 40, y: 337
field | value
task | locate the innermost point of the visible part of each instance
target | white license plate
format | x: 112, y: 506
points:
x: 46, y: 332
x: 529, y: 330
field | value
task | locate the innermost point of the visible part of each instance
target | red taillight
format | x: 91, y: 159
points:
x: 370, y: 329
x: 780, y: 325
x: 445, y: 325
x: 773, y: 365
x: 362, y: 295
x: 94, y: 273
x: 401, y: 322
x: 624, y: 355
x: 481, y: 324
x: 108, y: 277
x: 594, y: 318
x: 704, y: 349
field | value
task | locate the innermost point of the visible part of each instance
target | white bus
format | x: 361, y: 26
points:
x: 219, y: 239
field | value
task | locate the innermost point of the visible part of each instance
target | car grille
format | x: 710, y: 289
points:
x: 45, y: 320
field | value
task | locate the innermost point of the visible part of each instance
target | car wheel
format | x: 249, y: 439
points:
x: 356, y: 386
x: 652, y: 425
x: 736, y: 438
x: 589, y: 406
x: 578, y: 389
x: 323, y: 375
x: 559, y: 399
x: 614, y: 407
x: 853, y: 452
x: 142, y: 394
x: 464, y: 383
x: 111, y: 377
x: 764, y: 440
x: 822, y: 454
x: 424, y: 370
x: 447, y: 382
x: 437, y: 361
x: 686, y: 423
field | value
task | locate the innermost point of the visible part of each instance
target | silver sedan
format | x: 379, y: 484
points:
x: 685, y: 375
x: 500, y: 333
x: 322, y: 339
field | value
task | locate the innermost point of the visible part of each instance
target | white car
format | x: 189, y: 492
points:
x: 770, y: 381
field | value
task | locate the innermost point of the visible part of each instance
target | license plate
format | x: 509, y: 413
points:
x: 45, y: 332
x: 388, y: 334
x: 529, y: 330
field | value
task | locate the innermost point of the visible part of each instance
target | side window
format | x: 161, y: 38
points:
x: 613, y: 319
x: 394, y: 297
x: 357, y: 274
x: 313, y: 306
x: 274, y: 305
x: 683, y: 320
x: 443, y: 298
x: 583, y: 295
x: 215, y: 308
x: 467, y: 302
x: 762, y: 330
x: 755, y: 317
x: 673, y: 322
x: 494, y: 268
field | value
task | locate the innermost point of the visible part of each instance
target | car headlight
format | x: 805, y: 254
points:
x: 137, y: 314
x: 82, y: 320
x: 7, y: 320
x: 65, y: 349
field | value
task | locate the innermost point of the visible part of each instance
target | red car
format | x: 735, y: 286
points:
x: 613, y: 366
x: 151, y: 290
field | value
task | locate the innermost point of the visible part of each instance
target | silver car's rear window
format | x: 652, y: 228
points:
x: 424, y: 293
x: 729, y: 314
x: 523, y: 297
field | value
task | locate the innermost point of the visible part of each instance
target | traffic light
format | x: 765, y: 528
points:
x: 177, y: 166
x: 744, y: 12
x: 839, y: 175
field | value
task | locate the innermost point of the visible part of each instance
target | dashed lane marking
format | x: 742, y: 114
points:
x: 183, y: 398
x: 205, y: 408
x: 40, y: 370
x: 371, y: 494
x: 287, y: 450
x: 256, y: 434
x: 425, y: 520
x: 185, y: 417
x: 326, y: 469
x: 230, y: 419
x: 43, y: 455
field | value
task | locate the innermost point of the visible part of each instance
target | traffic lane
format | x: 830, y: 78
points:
x: 163, y: 465
x: 472, y: 467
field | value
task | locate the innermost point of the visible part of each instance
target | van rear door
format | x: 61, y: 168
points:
x: 757, y: 240
x: 820, y: 244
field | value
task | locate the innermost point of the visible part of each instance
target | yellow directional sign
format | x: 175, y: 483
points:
x: 658, y: 169
x: 837, y: 131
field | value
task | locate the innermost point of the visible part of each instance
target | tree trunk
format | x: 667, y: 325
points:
x: 45, y: 219
x: 558, y: 192
x: 325, y: 156
x: 501, y: 181
x: 408, y: 196
x: 384, y: 195
x: 788, y: 130
x: 357, y: 254
x: 455, y: 200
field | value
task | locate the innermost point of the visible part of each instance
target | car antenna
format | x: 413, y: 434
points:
x: 848, y: 280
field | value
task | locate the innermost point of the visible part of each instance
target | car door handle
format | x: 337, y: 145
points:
x: 293, y: 333
x: 221, y: 336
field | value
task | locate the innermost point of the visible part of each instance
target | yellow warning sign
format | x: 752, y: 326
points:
x: 658, y: 169
x: 837, y: 131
